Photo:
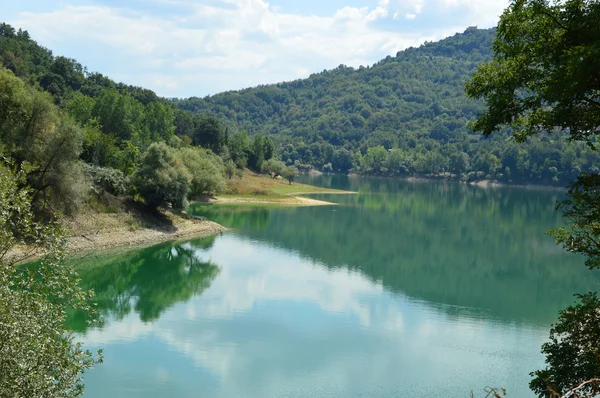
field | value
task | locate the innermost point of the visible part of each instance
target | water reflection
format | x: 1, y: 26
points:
x: 444, y: 243
x: 146, y: 281
x: 274, y: 324
x: 405, y: 289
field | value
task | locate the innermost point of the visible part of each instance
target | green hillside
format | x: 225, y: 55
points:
x: 405, y: 115
x: 76, y: 135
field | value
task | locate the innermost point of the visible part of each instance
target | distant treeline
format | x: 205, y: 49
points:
x: 406, y: 115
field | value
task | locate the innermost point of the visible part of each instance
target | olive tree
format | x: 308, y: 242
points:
x: 290, y: 173
x: 273, y: 167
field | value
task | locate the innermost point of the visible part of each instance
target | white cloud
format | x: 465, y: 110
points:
x: 399, y: 337
x: 225, y: 44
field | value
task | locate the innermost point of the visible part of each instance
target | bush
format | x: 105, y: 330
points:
x: 107, y: 179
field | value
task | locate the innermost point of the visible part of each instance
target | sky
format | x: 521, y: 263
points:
x: 184, y: 48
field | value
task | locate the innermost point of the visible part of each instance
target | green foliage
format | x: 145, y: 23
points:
x: 158, y: 121
x: 582, y: 210
x: 109, y: 126
x: 375, y: 160
x: 38, y: 355
x: 107, y: 179
x: 290, y: 173
x: 239, y: 148
x: 541, y: 76
x: 31, y: 132
x: 120, y: 116
x: 273, y: 167
x: 162, y: 179
x: 573, y: 352
x: 261, y: 150
x: 209, y: 133
x: 413, y: 102
x: 230, y: 169
x: 206, y: 169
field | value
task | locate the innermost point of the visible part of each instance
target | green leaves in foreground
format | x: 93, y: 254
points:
x: 543, y: 73
x: 38, y: 356
x: 573, y: 352
x: 582, y: 209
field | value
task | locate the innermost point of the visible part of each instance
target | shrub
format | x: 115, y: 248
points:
x: 107, y: 179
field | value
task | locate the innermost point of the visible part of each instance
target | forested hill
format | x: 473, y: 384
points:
x: 405, y: 115
x: 418, y: 93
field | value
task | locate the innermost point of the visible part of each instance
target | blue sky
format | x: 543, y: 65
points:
x: 182, y: 48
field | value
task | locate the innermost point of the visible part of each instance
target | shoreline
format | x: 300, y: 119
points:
x: 478, y: 183
x: 119, y: 238
x: 288, y: 201
x: 284, y: 201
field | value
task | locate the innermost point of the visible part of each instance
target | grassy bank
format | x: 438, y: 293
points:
x: 261, y: 189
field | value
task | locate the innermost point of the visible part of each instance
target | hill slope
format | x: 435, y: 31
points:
x: 411, y: 93
x: 413, y: 102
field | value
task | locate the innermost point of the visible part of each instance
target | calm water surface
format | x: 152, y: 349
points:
x: 403, y: 290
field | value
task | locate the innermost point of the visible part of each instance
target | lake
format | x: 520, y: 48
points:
x: 406, y: 289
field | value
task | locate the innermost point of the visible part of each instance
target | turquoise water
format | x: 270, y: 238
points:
x: 405, y: 289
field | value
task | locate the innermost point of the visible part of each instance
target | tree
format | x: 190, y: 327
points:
x: 206, y: 170
x: 290, y: 173
x: 573, y: 352
x: 273, y: 167
x: 38, y: 355
x: 544, y: 75
x: 120, y: 115
x: 209, y: 133
x: 342, y: 160
x: 459, y: 162
x: 230, y: 169
x: 239, y: 148
x: 32, y: 132
x: 159, y: 121
x: 162, y: 179
x: 581, y: 209
x: 375, y: 160
x: 544, y: 71
x: 258, y: 153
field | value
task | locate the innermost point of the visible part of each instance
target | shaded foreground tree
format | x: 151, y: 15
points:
x: 544, y: 71
x: 38, y: 355
x: 572, y: 354
x: 544, y: 76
